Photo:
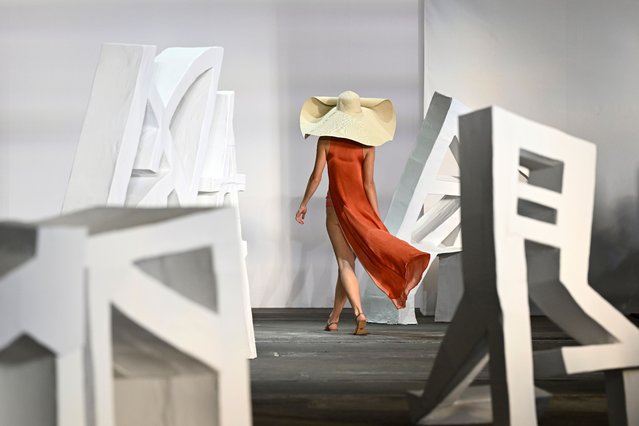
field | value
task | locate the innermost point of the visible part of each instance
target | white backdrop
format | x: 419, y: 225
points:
x: 277, y: 53
x: 571, y: 64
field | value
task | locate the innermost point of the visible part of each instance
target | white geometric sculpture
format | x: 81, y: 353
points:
x: 146, y: 134
x: 204, y: 323
x: 177, y: 127
x: 171, y: 305
x: 220, y: 182
x: 42, y: 304
x: 111, y: 130
x: 424, y: 210
x: 525, y: 240
x: 163, y: 112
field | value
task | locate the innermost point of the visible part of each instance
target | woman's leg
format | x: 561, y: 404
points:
x: 338, y: 303
x: 347, y: 284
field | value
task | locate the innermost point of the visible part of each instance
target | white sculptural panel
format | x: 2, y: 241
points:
x: 111, y: 130
x: 155, y: 151
x: 77, y: 283
x: 177, y: 127
x: 424, y: 210
x: 158, y: 281
x: 184, y: 145
x: 217, y: 338
x: 525, y: 239
x: 220, y: 182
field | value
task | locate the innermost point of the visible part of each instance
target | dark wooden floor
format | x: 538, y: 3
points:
x: 306, y: 376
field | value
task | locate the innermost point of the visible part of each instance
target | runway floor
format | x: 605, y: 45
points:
x: 306, y: 376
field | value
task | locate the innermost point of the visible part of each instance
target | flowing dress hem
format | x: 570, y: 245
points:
x: 413, y: 276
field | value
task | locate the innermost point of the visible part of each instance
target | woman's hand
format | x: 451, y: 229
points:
x: 301, y: 212
x: 315, y: 178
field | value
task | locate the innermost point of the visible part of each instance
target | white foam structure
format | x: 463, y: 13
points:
x: 526, y: 240
x: 177, y: 127
x: 168, y: 145
x: 215, y: 337
x: 165, y: 142
x: 425, y: 212
x: 157, y: 296
x: 181, y: 290
x: 111, y: 131
x: 220, y: 182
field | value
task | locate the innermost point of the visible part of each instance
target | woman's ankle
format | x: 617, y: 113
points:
x: 333, y: 317
x: 359, y: 314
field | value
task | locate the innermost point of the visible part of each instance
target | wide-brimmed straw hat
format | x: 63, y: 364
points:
x: 369, y: 121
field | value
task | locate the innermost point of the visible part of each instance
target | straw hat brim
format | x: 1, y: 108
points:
x: 373, y: 126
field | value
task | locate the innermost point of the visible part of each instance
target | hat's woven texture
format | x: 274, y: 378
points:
x: 369, y: 121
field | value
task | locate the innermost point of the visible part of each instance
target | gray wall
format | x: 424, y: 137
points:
x: 571, y: 64
x: 277, y: 53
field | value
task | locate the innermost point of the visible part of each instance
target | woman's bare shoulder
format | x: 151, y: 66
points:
x: 323, y: 142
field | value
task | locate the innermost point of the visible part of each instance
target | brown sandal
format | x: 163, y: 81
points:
x: 360, y: 328
x: 328, y: 326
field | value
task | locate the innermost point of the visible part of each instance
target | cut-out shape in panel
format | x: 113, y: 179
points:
x: 27, y: 384
x: 189, y: 273
x: 542, y: 171
x: 536, y: 211
x: 17, y: 246
x: 173, y: 388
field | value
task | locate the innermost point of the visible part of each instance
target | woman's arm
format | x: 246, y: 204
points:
x: 314, y: 180
x: 369, y: 182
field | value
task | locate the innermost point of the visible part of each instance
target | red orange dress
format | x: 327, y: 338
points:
x: 395, y: 266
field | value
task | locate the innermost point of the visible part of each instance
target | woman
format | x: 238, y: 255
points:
x: 349, y: 128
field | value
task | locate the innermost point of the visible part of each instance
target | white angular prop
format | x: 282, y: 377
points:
x: 147, y: 129
x: 177, y: 127
x: 41, y: 310
x: 220, y: 182
x: 521, y: 240
x: 111, y: 131
x: 176, y: 148
x: 424, y: 210
x: 182, y: 289
x: 164, y: 316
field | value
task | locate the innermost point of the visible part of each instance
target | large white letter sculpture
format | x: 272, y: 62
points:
x: 153, y: 136
x: 424, y: 211
x: 138, y: 308
x: 177, y: 127
x: 146, y: 133
x: 525, y: 240
x: 111, y: 131
x: 184, y: 291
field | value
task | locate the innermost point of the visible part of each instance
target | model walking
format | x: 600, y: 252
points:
x: 349, y: 128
